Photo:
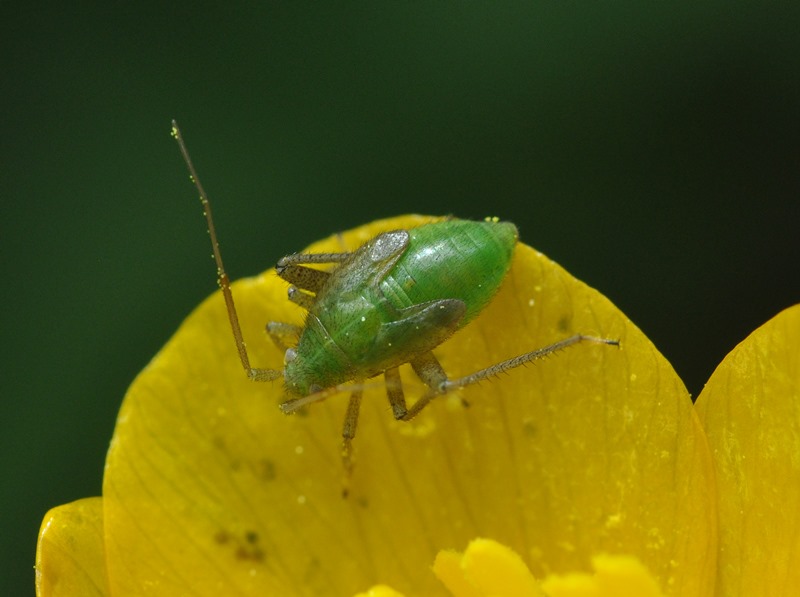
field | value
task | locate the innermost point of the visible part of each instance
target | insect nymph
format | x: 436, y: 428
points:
x: 390, y: 302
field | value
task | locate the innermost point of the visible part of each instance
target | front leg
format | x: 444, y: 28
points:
x: 292, y: 269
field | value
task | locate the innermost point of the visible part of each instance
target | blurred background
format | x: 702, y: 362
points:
x: 652, y: 151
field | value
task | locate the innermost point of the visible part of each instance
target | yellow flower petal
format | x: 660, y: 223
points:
x: 70, y: 557
x: 210, y: 489
x: 750, y: 409
x: 380, y: 591
x: 615, y: 576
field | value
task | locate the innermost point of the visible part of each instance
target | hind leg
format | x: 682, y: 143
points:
x: 430, y: 371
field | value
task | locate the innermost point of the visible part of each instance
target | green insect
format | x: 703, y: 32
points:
x: 390, y: 302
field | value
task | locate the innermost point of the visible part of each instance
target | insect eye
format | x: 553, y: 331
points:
x: 291, y: 354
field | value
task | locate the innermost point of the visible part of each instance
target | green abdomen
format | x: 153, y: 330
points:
x: 457, y: 259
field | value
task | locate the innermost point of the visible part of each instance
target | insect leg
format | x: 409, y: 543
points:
x: 522, y: 359
x: 303, y: 277
x: 317, y: 258
x: 348, y: 433
x: 292, y: 269
x: 294, y: 404
x: 394, y: 390
x: 222, y: 277
x: 300, y: 298
x: 430, y: 371
x: 283, y: 335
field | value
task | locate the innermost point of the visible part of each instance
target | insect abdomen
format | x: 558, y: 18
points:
x: 454, y: 259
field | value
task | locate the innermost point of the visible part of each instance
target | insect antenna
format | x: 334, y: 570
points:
x: 222, y: 277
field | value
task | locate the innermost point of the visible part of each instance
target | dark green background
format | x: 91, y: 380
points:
x: 651, y: 151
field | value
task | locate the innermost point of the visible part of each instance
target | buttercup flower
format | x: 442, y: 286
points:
x: 587, y: 472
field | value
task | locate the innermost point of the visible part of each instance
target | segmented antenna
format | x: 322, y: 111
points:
x: 222, y: 277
